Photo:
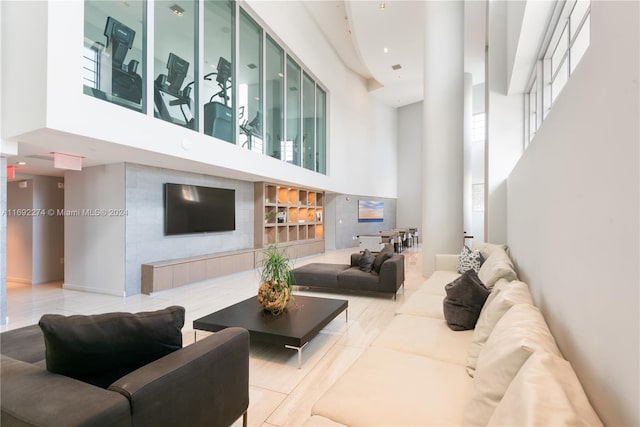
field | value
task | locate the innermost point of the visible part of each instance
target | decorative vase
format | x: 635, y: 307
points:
x: 274, y: 296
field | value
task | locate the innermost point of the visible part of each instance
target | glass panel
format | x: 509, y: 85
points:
x: 174, y: 62
x: 579, y: 10
x: 308, y: 124
x: 560, y: 50
x: 292, y: 143
x: 250, y: 84
x: 217, y: 84
x: 274, y: 114
x: 558, y: 83
x: 581, y: 43
x: 321, y: 131
x: 113, y: 58
x: 533, y: 104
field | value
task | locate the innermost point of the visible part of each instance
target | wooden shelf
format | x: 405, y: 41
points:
x: 286, y: 215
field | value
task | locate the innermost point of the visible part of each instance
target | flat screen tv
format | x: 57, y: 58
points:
x: 195, y: 209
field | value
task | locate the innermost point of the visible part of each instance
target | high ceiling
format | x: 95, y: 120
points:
x: 360, y: 30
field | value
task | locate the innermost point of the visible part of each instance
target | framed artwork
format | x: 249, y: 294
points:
x: 370, y: 211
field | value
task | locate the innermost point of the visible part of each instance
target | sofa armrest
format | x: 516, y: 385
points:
x: 392, y: 273
x: 206, y: 383
x: 447, y: 262
x: 33, y: 396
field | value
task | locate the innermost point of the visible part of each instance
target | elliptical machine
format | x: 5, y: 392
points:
x: 218, y: 117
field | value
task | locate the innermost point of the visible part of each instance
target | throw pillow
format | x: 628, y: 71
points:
x: 383, y: 255
x: 465, y: 297
x: 102, y: 348
x: 504, y: 296
x: 497, y: 266
x: 469, y: 259
x: 519, y: 333
x: 545, y: 392
x: 365, y: 263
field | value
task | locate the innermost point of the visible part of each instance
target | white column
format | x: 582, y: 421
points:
x: 468, y: 163
x: 442, y: 154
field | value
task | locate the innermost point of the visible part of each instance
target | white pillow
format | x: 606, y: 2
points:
x: 486, y: 249
x: 545, y: 392
x: 502, y: 298
x: 497, y: 266
x: 520, y: 332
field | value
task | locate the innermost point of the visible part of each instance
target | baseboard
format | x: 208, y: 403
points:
x: 18, y: 280
x: 90, y: 289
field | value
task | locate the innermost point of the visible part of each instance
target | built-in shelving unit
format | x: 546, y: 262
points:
x: 289, y: 216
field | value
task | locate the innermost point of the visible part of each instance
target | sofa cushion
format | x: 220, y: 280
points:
x: 545, y: 392
x: 465, y: 297
x: 423, y: 304
x: 25, y: 344
x: 520, y: 332
x: 101, y: 348
x: 318, y: 274
x: 383, y: 255
x: 496, y: 267
x: 437, y: 281
x: 431, y: 392
x: 468, y: 260
x: 425, y: 336
x: 499, y: 301
x: 357, y: 280
x: 365, y: 263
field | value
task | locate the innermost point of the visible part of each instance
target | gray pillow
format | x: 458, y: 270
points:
x: 365, y: 263
x: 102, y: 348
x: 383, y: 255
x: 465, y: 297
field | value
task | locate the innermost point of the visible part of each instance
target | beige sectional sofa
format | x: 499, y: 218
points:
x: 418, y: 372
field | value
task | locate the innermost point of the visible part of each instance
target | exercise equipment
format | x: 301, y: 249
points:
x: 218, y: 117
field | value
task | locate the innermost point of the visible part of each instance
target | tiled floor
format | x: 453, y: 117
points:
x: 280, y: 393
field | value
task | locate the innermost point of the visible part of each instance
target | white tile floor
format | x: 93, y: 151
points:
x: 280, y: 393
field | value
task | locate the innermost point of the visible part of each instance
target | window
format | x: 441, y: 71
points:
x: 478, y: 127
x: 308, y: 122
x: 567, y: 40
x: 321, y: 130
x: 113, y: 64
x: 175, y: 87
x: 274, y: 98
x: 250, y: 84
x: 294, y: 107
x: 219, y: 60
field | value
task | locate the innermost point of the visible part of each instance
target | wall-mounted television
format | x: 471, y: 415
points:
x: 195, y: 209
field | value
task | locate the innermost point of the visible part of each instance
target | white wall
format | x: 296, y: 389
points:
x: 94, y: 247
x: 573, y: 210
x: 505, y: 128
x: 48, y: 230
x: 19, y: 231
x: 409, y: 155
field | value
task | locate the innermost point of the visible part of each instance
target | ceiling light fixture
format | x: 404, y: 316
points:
x: 177, y: 10
x: 382, y: 6
x: 21, y: 163
x: 386, y: 50
x: 280, y: 75
x: 396, y: 67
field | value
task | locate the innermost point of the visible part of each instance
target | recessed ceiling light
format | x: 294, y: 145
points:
x: 385, y: 50
x: 177, y: 10
x: 382, y: 6
x: 252, y: 66
x: 396, y: 67
x: 280, y: 75
x: 21, y: 163
x: 257, y: 98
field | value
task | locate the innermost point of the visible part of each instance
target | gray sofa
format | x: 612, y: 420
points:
x: 350, y: 277
x: 203, y: 384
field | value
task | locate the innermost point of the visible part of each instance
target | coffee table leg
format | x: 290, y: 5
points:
x: 292, y: 347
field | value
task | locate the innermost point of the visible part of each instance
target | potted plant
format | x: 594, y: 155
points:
x: 276, y: 281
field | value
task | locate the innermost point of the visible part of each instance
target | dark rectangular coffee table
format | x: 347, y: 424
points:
x: 301, y: 321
